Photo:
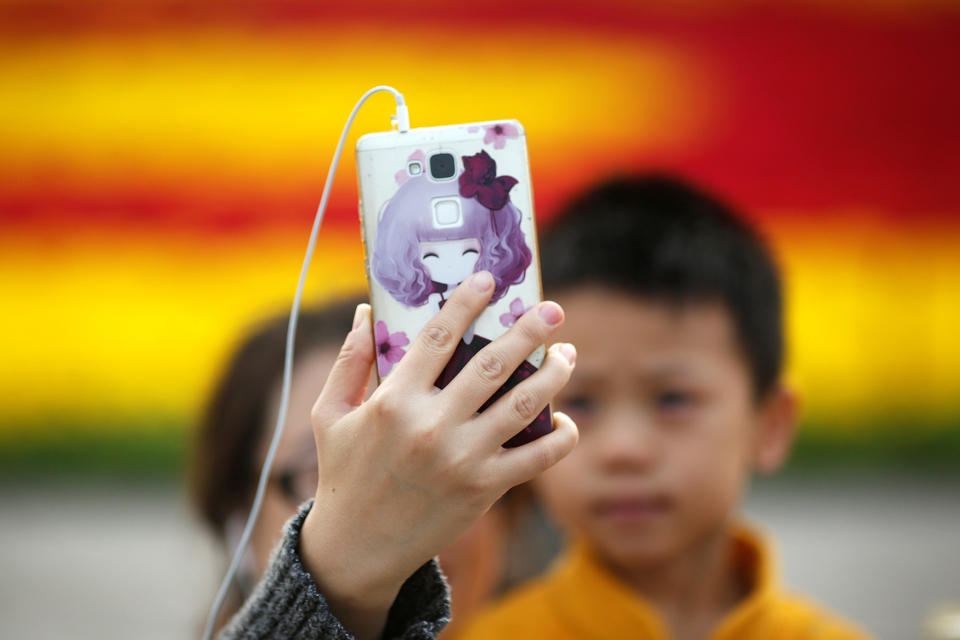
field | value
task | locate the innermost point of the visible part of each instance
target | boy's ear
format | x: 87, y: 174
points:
x: 777, y: 425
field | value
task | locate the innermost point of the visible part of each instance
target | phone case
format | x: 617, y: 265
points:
x: 429, y: 221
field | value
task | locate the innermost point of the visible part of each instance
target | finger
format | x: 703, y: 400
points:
x: 510, y: 414
x: 433, y: 346
x: 346, y: 386
x: 492, y: 366
x: 520, y: 464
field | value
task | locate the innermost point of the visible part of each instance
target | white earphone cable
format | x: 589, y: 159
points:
x: 402, y: 120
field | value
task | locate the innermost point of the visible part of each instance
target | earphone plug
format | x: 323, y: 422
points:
x: 401, y: 120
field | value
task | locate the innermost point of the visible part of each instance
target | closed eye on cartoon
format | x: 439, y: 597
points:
x: 431, y: 235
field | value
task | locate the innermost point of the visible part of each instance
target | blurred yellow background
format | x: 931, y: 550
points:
x: 161, y: 162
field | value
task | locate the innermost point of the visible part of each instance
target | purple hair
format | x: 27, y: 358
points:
x: 407, y: 220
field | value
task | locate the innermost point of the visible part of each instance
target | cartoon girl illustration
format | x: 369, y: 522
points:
x: 432, y: 235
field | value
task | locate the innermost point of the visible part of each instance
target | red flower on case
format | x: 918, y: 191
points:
x: 479, y: 180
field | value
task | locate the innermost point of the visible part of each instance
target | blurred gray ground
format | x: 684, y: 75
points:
x: 96, y: 561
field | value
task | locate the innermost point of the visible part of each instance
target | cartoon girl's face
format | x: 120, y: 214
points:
x: 449, y: 262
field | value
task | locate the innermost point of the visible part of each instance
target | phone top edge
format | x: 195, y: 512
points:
x: 426, y: 135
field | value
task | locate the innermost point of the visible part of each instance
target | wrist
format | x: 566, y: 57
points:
x: 359, y: 592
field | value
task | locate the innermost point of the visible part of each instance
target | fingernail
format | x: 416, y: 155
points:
x: 481, y: 281
x: 569, y: 352
x: 358, y: 316
x: 551, y: 313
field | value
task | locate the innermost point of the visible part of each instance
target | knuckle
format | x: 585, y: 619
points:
x: 383, y: 409
x: 476, y: 490
x: 437, y: 337
x: 488, y: 366
x: 422, y: 447
x: 473, y: 486
x: 523, y: 404
x: 422, y: 441
x: 347, y: 353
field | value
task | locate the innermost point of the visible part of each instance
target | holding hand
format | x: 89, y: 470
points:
x: 403, y: 474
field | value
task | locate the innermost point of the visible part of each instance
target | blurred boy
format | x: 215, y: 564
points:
x: 675, y: 307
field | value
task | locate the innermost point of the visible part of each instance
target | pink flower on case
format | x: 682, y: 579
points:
x: 389, y: 345
x: 499, y: 133
x: 516, y: 310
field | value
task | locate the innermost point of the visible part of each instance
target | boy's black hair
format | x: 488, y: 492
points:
x: 656, y: 236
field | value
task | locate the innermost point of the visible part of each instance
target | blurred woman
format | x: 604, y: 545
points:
x: 237, y: 426
x: 236, y: 431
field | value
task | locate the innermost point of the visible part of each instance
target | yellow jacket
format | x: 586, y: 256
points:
x: 577, y: 599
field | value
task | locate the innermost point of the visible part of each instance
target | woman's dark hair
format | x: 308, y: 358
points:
x: 225, y: 459
x: 657, y: 237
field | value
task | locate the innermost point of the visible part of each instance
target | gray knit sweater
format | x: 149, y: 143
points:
x: 287, y: 604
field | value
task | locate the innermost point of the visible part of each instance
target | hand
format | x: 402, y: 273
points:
x: 403, y: 474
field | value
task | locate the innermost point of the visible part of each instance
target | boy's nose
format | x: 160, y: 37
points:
x: 628, y: 442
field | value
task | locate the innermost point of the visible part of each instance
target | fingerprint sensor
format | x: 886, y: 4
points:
x: 446, y: 212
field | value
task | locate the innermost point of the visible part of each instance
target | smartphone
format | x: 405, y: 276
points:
x: 437, y: 204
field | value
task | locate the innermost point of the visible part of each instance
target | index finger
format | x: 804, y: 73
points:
x: 436, y: 342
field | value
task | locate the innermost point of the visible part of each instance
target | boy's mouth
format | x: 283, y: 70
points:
x: 631, y: 509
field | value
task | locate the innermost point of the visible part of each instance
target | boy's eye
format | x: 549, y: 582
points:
x: 474, y: 251
x: 429, y: 255
x: 672, y: 400
x: 579, y: 403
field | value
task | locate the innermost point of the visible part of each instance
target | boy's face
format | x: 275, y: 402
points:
x: 669, y: 428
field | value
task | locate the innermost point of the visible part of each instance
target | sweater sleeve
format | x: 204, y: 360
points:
x: 287, y: 604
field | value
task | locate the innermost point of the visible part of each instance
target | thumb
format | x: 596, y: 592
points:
x: 346, y: 385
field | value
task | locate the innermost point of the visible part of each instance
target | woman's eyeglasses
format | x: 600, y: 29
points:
x: 297, y: 483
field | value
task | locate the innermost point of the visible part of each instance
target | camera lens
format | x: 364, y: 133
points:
x: 442, y: 166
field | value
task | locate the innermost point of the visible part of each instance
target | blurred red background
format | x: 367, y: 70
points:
x: 160, y: 165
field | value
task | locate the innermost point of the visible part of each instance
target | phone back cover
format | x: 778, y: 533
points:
x: 423, y: 236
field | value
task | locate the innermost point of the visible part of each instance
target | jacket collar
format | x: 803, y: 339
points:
x: 595, y: 603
